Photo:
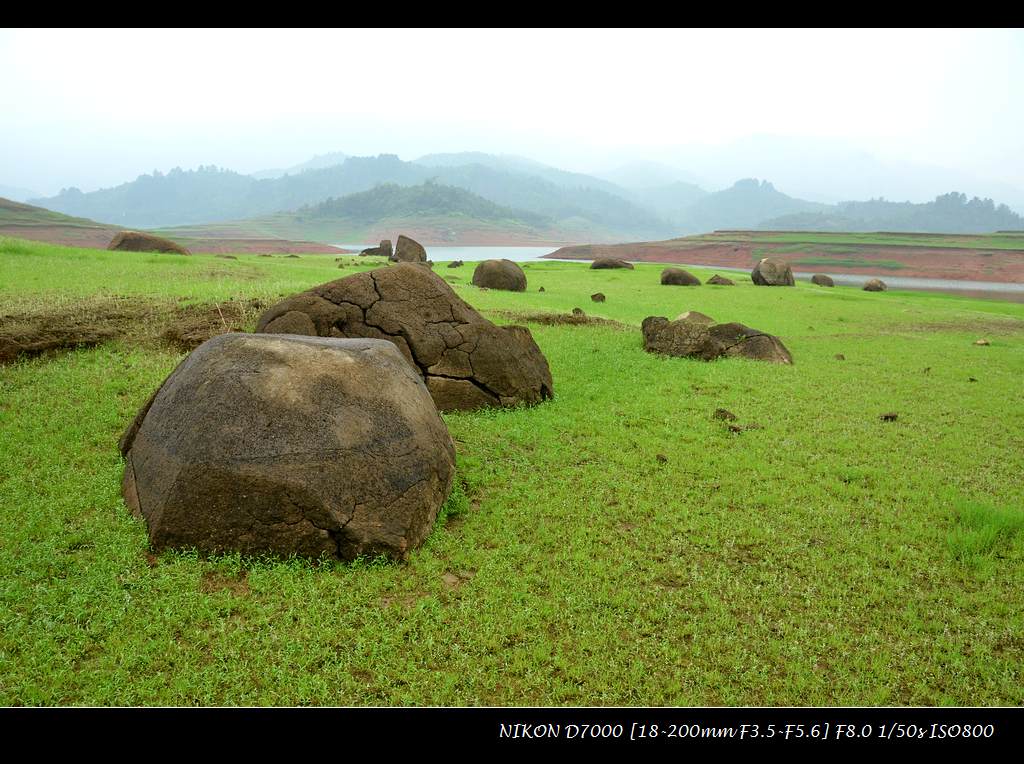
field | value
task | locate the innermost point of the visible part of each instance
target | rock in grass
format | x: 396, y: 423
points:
x: 455, y: 264
x: 822, y: 280
x: 500, y: 274
x: 982, y: 342
x: 597, y: 297
x: 135, y: 241
x: 610, y: 262
x: 312, y: 446
x: 696, y: 316
x: 678, y: 277
x: 875, y: 285
x: 721, y: 281
x: 725, y: 415
x: 772, y: 272
x: 408, y: 251
x: 692, y: 339
x: 889, y: 417
x: 466, y: 361
x: 383, y: 250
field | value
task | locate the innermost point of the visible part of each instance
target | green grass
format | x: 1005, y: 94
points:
x: 1011, y: 241
x: 826, y: 558
x: 851, y: 262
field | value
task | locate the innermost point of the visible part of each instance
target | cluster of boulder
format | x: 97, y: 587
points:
x: 695, y: 335
x: 406, y: 250
x: 321, y: 433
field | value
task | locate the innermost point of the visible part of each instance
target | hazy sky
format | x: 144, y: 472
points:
x: 95, y: 108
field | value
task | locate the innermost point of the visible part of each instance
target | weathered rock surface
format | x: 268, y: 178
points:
x: 721, y: 281
x: 134, y: 241
x: 500, y: 274
x: 678, y: 277
x: 698, y: 317
x: 822, y: 280
x: 694, y: 339
x: 408, y: 251
x: 772, y: 272
x: 279, y: 444
x: 875, y: 285
x: 466, y: 361
x: 610, y: 262
x: 383, y: 250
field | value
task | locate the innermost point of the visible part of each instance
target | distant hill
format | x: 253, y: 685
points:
x: 210, y: 194
x: 641, y: 175
x: 744, y: 205
x: 26, y: 221
x: 522, y: 166
x: 430, y: 212
x: 948, y: 213
x: 318, y: 162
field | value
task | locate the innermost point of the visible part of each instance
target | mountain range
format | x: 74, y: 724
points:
x: 643, y: 200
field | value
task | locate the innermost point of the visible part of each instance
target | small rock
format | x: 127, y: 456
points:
x: 541, y: 289
x: 678, y: 277
x: 597, y: 297
x: 840, y: 357
x: 971, y: 379
x: 822, y: 280
x: 982, y: 342
x: 721, y: 281
x: 875, y: 285
x: 578, y: 312
x: 725, y: 414
x: 890, y: 417
x: 661, y: 458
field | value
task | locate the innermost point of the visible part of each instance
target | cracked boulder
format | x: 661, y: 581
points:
x: 408, y: 251
x: 707, y: 341
x: 466, y: 361
x: 500, y: 274
x: 289, y: 445
x: 772, y: 272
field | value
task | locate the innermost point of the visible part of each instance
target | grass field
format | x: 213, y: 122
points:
x: 823, y: 558
x: 825, y: 240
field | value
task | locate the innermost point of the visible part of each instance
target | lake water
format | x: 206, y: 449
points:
x: 986, y: 289
x: 472, y: 254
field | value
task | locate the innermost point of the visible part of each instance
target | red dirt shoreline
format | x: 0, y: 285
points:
x: 999, y: 266
x: 99, y: 238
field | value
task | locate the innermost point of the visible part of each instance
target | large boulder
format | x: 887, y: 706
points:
x: 679, y: 277
x: 610, y: 262
x: 721, y: 281
x: 383, y: 250
x: 875, y: 285
x: 500, y: 274
x: 696, y: 339
x: 466, y: 361
x: 772, y: 272
x: 135, y: 241
x: 287, y: 445
x: 408, y: 251
x: 822, y: 280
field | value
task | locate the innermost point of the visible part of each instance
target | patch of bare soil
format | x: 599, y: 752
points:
x: 136, y: 320
x: 564, y: 319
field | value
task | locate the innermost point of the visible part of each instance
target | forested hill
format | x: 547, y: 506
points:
x: 948, y: 213
x: 429, y: 199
